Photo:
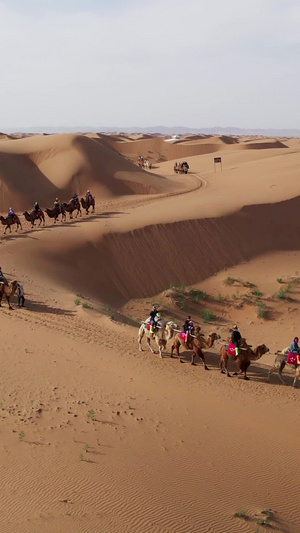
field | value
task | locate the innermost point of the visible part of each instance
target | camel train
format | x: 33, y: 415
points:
x: 143, y: 162
x: 59, y: 209
x: 197, y: 342
x: 181, y: 168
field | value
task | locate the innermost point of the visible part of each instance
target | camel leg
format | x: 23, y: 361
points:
x: 8, y: 301
x: 140, y: 343
x: 274, y: 369
x: 149, y: 345
x: 201, y: 356
x: 223, y: 366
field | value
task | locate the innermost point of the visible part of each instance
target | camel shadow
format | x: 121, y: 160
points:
x: 70, y: 223
x: 40, y: 307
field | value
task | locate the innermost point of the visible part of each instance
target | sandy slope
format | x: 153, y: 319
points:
x: 172, y: 447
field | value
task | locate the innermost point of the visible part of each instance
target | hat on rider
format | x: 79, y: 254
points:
x: 235, y: 327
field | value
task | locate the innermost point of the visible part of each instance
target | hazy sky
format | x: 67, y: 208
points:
x: 150, y: 62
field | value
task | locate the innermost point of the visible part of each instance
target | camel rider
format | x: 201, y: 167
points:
x: 2, y: 277
x: 36, y: 208
x: 75, y: 199
x: 294, y: 348
x: 57, y: 204
x: 236, y: 339
x: 188, y: 328
x: 152, y: 318
x: 89, y: 196
x: 157, y: 321
x: 11, y: 213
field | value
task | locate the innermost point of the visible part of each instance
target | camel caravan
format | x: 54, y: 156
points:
x: 190, y: 339
x: 59, y: 209
x: 143, y: 162
x: 181, y: 168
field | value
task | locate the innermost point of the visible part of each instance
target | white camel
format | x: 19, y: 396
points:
x: 280, y: 363
x: 161, y: 336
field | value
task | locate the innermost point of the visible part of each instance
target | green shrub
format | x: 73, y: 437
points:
x: 85, y: 305
x: 208, y: 316
x: 279, y: 280
x: 77, y: 301
x: 281, y: 294
x: 257, y: 293
x: 197, y: 295
x: 219, y: 298
x: 229, y: 281
x: 241, y: 514
x: 262, y: 313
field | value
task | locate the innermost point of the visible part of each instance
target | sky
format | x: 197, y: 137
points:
x: 150, y: 62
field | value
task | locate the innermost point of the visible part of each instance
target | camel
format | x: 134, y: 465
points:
x: 10, y: 221
x: 55, y: 212
x: 72, y: 206
x: 7, y: 289
x: 280, y: 363
x: 161, y: 336
x: 87, y: 203
x: 196, y: 343
x: 243, y: 360
x: 33, y: 216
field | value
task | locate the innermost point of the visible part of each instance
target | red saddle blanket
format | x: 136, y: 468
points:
x: 231, y: 349
x: 182, y: 335
x: 293, y: 359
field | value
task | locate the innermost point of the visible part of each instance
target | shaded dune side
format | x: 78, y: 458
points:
x: 145, y: 261
x: 40, y: 168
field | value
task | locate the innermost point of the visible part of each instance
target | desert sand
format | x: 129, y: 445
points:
x: 97, y: 436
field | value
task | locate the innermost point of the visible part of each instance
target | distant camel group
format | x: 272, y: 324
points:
x: 55, y: 212
x: 197, y: 342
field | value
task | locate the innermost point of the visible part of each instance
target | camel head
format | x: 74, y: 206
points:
x: 259, y: 351
x: 214, y: 336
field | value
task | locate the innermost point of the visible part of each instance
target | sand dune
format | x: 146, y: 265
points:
x: 43, y: 167
x: 99, y: 436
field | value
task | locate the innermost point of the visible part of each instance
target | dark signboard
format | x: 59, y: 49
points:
x: 217, y: 159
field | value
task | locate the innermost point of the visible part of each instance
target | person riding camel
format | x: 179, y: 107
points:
x: 157, y: 321
x: 11, y: 213
x: 75, y: 199
x: 236, y: 339
x: 36, y: 208
x: 2, y: 277
x: 152, y: 318
x: 88, y: 196
x: 57, y: 204
x: 188, y: 328
x: 294, y: 348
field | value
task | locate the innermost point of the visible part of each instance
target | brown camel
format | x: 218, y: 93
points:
x: 10, y: 221
x: 55, y: 212
x: 161, y: 336
x: 33, y: 216
x: 196, y: 344
x: 279, y: 365
x: 87, y: 203
x: 72, y: 206
x: 243, y: 360
x: 7, y: 290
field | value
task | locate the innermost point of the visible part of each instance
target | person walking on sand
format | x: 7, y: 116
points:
x: 21, y: 295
